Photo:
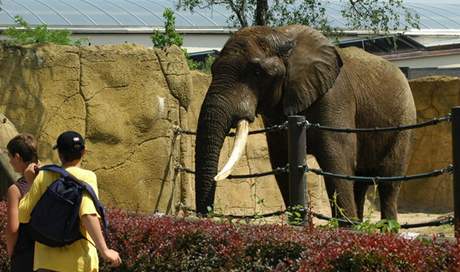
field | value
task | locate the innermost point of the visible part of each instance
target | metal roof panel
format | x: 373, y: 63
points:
x: 442, y: 14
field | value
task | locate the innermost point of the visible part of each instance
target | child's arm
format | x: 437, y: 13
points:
x: 12, y: 224
x: 29, y: 200
x: 92, y: 225
x: 31, y: 172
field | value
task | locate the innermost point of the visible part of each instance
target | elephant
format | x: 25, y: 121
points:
x: 295, y: 70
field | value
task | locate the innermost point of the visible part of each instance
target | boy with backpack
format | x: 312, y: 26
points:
x: 80, y: 255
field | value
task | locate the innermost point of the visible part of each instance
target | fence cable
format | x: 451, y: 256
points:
x: 276, y: 171
x: 244, y: 217
x: 447, y: 170
x: 448, y: 220
x: 273, y: 128
x: 279, y: 170
x: 377, y: 129
x: 307, y: 124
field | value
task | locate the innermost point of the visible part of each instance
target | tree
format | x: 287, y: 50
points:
x: 25, y: 34
x: 371, y: 15
x: 170, y: 35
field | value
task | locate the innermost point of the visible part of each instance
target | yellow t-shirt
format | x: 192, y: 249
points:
x: 80, y: 256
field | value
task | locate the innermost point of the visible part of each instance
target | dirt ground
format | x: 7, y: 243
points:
x: 440, y: 231
x: 444, y: 231
x: 411, y: 218
x: 372, y: 213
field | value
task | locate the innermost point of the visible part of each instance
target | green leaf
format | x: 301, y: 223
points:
x: 24, y: 34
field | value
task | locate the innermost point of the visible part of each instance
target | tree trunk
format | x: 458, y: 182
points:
x: 261, y: 12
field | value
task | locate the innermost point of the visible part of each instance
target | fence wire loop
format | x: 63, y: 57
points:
x: 179, y: 131
x: 276, y: 171
x: 431, y: 122
x: 447, y: 170
x: 449, y: 220
x: 304, y: 124
x: 307, y: 125
x: 231, y: 216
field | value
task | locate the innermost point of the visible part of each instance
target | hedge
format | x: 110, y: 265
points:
x: 165, y: 243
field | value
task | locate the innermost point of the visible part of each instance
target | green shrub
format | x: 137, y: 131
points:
x: 40, y: 34
x: 164, y: 243
x: 203, y: 66
x: 384, y: 226
x: 170, y: 35
x: 359, y: 261
x: 266, y: 255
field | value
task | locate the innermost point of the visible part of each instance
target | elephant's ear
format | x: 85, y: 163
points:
x: 312, y: 67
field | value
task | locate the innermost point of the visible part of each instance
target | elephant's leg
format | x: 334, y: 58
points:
x: 388, y: 193
x: 360, y: 189
x: 337, y: 154
x: 277, y: 147
x: 340, y: 195
x: 394, y: 163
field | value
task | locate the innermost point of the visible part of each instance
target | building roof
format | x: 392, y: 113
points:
x: 440, y: 15
x: 107, y: 14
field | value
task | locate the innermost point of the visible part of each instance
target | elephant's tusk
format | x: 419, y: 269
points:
x: 242, y: 131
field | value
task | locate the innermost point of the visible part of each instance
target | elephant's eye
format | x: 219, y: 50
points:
x: 254, y: 68
x: 257, y: 70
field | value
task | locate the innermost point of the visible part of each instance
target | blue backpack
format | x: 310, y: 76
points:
x: 55, y: 219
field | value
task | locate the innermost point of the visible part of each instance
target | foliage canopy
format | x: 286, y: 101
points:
x: 170, y: 36
x: 25, y: 34
x: 370, y: 15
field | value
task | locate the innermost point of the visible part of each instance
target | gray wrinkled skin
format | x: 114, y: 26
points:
x: 295, y: 70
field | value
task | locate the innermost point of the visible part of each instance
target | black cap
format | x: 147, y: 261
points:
x: 70, y: 141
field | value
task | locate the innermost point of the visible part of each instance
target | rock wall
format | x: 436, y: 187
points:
x: 434, y: 97
x: 119, y: 98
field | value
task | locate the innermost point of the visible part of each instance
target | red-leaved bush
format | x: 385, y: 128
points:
x: 153, y: 243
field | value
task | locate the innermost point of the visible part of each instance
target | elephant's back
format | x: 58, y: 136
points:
x: 383, y: 98
x: 382, y: 93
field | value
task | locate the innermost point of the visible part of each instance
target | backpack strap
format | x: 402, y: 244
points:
x: 55, y: 168
x: 99, y: 208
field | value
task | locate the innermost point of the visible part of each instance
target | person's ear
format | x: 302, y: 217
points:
x: 17, y: 156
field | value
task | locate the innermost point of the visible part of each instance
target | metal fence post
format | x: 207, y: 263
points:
x: 456, y: 162
x: 297, y: 138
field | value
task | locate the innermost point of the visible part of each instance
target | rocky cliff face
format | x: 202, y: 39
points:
x: 434, y: 97
x: 124, y: 99
x: 127, y: 101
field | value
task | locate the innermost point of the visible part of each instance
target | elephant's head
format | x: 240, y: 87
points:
x: 263, y: 70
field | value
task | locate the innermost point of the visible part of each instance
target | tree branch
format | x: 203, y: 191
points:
x: 261, y: 12
x: 239, y: 11
x: 353, y: 4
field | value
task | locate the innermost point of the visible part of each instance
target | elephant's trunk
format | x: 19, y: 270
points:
x: 213, y: 124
